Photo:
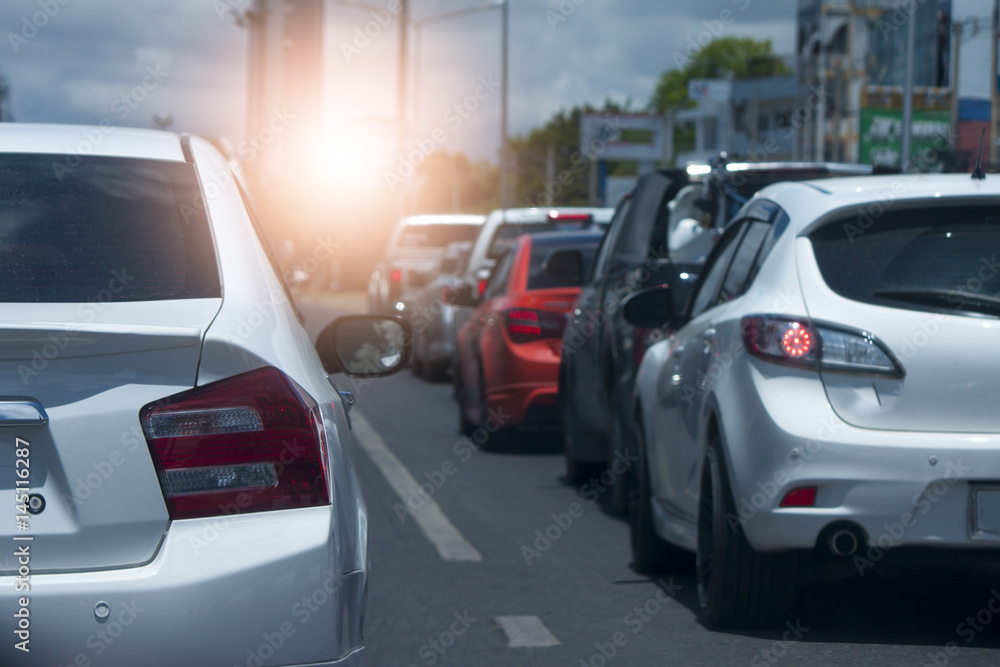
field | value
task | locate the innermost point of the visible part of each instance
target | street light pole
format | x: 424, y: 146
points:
x: 504, y: 93
x: 404, y: 22
x: 905, y: 143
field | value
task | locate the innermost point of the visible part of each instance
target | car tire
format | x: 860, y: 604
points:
x: 435, y: 372
x: 465, y: 426
x: 577, y: 471
x: 651, y: 554
x: 738, y: 587
x: 417, y: 367
x: 623, y: 442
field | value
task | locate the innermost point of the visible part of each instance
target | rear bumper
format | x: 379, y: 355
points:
x: 901, y: 488
x: 527, y: 403
x: 259, y: 589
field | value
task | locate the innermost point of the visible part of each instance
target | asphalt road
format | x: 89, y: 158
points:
x: 554, y: 569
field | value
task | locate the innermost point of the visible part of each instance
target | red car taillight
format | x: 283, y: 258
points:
x: 396, y: 275
x: 525, y: 325
x: 482, y: 286
x: 831, y: 348
x: 253, y: 442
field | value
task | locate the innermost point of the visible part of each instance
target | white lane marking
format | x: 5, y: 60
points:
x: 526, y: 632
x: 436, y: 526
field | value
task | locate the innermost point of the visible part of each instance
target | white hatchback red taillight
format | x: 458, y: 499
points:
x: 800, y: 343
x: 250, y: 443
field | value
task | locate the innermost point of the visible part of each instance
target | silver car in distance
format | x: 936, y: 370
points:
x: 175, y: 465
x: 828, y: 401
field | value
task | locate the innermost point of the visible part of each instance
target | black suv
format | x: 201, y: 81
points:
x: 660, y: 234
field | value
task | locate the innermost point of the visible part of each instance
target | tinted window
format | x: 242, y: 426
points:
x: 936, y: 257
x: 607, y: 246
x: 127, y: 229
x: 538, y: 279
x: 449, y: 265
x: 436, y: 236
x: 715, y: 269
x: 507, y: 233
x: 743, y: 261
x: 498, y: 281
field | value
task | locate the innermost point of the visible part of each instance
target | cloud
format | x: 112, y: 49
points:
x: 91, y: 53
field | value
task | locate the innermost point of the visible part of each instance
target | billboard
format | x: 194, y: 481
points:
x: 641, y: 138
x: 881, y: 127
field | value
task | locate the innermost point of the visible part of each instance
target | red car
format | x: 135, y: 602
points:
x: 508, y: 350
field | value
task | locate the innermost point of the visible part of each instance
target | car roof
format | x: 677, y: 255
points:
x: 84, y: 140
x: 544, y: 214
x: 443, y: 219
x: 809, y: 201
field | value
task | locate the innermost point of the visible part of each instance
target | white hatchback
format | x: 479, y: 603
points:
x: 829, y: 398
x: 175, y: 464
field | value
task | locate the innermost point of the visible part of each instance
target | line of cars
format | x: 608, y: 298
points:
x: 797, y: 357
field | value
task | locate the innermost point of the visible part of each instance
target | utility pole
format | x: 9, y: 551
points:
x: 905, y: 152
x: 402, y: 102
x: 956, y: 28
x: 821, y: 105
x: 994, y: 98
x: 504, y: 92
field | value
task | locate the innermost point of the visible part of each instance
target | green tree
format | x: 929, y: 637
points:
x: 453, y: 183
x: 723, y: 58
x: 560, y: 139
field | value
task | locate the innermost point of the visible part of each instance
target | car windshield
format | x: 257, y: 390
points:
x: 941, y: 257
x: 436, y: 236
x: 507, y: 233
x: 538, y: 278
x: 137, y: 226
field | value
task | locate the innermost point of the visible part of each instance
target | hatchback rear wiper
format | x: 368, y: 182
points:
x: 946, y: 298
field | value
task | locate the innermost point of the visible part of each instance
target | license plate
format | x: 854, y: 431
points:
x: 986, y: 513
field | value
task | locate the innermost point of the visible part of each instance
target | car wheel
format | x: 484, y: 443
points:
x: 650, y: 552
x: 435, y: 372
x: 623, y: 445
x: 737, y: 586
x: 465, y: 426
x: 577, y: 471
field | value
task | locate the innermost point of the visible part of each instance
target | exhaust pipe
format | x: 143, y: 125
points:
x: 843, y: 543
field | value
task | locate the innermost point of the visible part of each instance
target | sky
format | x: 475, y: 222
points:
x: 76, y: 61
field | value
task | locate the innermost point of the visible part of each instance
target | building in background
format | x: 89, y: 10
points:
x: 750, y: 119
x: 844, y: 46
x: 285, y: 84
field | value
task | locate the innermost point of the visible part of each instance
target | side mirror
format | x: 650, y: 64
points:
x: 463, y: 297
x: 649, y: 308
x: 565, y: 266
x: 365, y: 345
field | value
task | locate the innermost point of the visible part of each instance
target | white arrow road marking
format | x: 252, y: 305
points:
x: 526, y: 632
x: 436, y: 526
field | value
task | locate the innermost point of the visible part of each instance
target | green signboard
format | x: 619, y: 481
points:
x: 881, y: 132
